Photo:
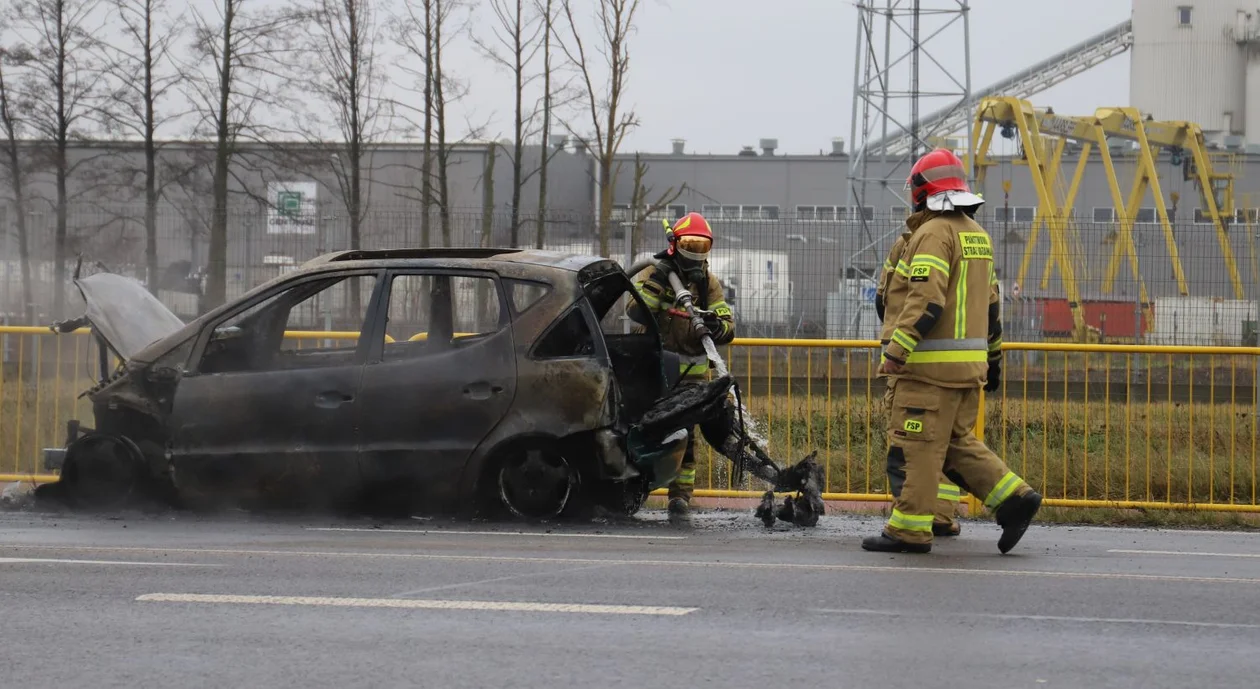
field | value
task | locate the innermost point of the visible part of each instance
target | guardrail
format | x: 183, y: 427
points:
x: 1127, y: 426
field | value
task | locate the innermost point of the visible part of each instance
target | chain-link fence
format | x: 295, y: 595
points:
x: 808, y: 275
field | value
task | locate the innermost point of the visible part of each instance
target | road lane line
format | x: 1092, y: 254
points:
x: 1118, y: 576
x: 1191, y: 553
x: 496, y: 580
x: 416, y: 604
x: 426, y: 532
x: 1040, y: 618
x: 57, y: 561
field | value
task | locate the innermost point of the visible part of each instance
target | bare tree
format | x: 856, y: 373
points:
x: 57, y: 96
x: 349, y: 84
x: 641, y: 209
x: 12, y: 126
x: 143, y: 76
x: 424, y: 30
x: 239, y: 70
x: 548, y: 18
x: 516, y: 33
x: 602, y: 71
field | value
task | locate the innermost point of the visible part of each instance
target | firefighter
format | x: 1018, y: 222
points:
x: 689, y: 241
x: 944, y: 345
x: 948, y: 495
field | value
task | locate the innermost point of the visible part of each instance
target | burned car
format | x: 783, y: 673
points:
x: 436, y: 380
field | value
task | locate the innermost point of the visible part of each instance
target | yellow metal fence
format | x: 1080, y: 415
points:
x: 1087, y: 425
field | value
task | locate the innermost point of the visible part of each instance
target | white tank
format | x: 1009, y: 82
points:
x: 1187, y: 63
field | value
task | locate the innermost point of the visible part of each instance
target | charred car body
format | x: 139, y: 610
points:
x: 480, y: 377
x: 434, y: 380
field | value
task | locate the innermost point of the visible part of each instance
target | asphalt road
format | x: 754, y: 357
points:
x: 188, y: 601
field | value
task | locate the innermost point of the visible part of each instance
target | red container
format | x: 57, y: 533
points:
x: 1114, y: 319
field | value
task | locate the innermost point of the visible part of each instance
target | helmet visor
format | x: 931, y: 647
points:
x: 694, y: 247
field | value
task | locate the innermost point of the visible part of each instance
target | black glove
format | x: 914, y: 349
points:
x: 995, y: 375
x: 717, y: 328
x: 700, y: 329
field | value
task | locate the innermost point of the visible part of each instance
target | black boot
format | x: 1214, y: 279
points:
x: 679, y: 510
x: 946, y: 530
x: 1014, y: 515
x: 883, y: 543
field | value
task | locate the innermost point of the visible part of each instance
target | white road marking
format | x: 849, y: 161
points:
x: 56, y: 561
x: 1118, y: 576
x: 428, y: 532
x: 416, y: 604
x: 1042, y: 618
x: 495, y: 580
x: 1181, y: 552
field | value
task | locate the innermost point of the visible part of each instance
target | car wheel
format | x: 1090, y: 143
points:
x: 536, y: 483
x: 102, y: 471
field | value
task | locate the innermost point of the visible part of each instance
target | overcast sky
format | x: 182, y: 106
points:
x: 724, y: 73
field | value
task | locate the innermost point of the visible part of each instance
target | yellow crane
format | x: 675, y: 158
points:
x: 1040, y: 130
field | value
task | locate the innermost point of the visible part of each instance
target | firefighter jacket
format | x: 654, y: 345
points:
x: 676, y: 333
x: 942, y: 305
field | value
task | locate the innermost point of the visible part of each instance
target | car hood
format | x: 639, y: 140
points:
x: 124, y: 313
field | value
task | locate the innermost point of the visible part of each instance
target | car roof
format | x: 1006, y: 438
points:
x: 464, y: 257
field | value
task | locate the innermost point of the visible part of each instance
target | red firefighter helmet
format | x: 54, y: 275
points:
x: 691, y: 237
x: 938, y: 181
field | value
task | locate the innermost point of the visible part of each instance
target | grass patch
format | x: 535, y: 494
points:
x: 1097, y: 450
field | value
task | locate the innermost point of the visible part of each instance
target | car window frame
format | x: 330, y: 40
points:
x: 379, y: 314
x: 583, y: 305
x: 203, y: 337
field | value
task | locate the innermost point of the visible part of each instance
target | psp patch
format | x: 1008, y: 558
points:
x: 919, y: 273
x: 913, y: 426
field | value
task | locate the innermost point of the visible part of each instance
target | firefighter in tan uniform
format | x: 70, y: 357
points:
x: 948, y: 495
x: 690, y: 240
x: 945, y: 344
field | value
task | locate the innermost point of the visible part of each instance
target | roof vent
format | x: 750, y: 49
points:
x: 768, y: 146
x: 679, y: 146
x: 837, y: 146
x: 748, y: 151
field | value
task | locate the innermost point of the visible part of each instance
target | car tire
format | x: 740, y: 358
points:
x: 536, y: 482
x: 102, y: 471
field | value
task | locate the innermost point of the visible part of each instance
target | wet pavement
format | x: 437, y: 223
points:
x: 235, y: 600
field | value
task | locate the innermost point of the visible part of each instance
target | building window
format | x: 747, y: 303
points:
x: 671, y: 213
x: 1016, y: 213
x: 898, y: 212
x: 741, y: 212
x: 1183, y: 15
x: 1145, y: 215
x: 1242, y: 216
x: 868, y: 213
x: 1104, y: 215
x: 621, y: 213
x: 1201, y: 217
x: 758, y: 212
x: 818, y: 213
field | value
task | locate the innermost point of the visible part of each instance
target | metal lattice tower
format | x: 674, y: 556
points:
x: 911, y: 55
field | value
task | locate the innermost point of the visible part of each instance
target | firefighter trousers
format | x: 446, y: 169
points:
x: 948, y: 495
x: 930, y: 434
